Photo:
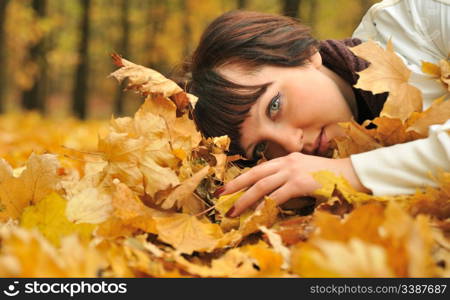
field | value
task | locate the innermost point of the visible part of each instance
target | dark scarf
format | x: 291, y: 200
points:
x: 337, y: 57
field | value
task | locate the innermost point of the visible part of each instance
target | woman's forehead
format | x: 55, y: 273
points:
x: 244, y: 74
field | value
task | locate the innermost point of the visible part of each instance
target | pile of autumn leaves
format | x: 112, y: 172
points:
x: 141, y: 204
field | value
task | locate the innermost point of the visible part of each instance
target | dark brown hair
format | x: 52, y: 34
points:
x: 252, y: 39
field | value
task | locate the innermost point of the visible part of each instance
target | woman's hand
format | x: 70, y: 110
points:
x: 284, y: 178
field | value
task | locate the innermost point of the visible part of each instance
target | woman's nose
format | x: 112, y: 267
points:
x: 291, y: 140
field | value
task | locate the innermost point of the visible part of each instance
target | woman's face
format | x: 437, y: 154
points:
x: 298, y: 112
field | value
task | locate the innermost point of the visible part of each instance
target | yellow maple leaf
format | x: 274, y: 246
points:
x: 387, y: 73
x: 331, y: 182
x: 49, y: 216
x: 269, y: 261
x: 37, y: 181
x: 188, y: 233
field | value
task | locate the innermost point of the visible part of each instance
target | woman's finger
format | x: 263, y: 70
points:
x: 280, y: 195
x: 256, y: 192
x: 251, y: 177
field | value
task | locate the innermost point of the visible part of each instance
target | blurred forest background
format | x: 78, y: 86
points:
x: 55, y: 54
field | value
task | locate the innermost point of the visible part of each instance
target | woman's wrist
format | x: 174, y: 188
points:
x: 348, y: 171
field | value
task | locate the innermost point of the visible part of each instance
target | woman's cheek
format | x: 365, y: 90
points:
x: 334, y: 130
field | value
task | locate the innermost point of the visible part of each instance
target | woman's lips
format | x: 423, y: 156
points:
x: 324, y: 143
x: 321, y: 144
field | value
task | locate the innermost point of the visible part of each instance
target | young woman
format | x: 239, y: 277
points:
x: 264, y: 81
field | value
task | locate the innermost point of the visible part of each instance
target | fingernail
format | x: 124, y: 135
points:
x: 230, y: 212
x: 219, y: 191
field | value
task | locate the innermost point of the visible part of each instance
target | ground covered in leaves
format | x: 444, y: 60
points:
x: 134, y: 197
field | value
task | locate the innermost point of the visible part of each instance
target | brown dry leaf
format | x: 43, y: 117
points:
x: 433, y: 201
x: 188, y: 233
x: 437, y: 113
x: 181, y: 197
x: 234, y: 263
x: 294, y: 229
x: 156, y: 177
x: 392, y: 131
x: 143, y: 79
x: 123, y: 154
x: 181, y: 131
x: 148, y: 81
x: 145, y: 152
x: 265, y: 216
x: 257, y: 260
x: 387, y: 73
x: 34, y: 183
x: 130, y: 209
x: 356, y: 140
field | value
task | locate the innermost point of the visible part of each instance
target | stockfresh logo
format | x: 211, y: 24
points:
x: 12, y: 290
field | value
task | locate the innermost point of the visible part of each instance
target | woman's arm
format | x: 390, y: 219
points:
x: 402, y: 168
x: 419, y: 31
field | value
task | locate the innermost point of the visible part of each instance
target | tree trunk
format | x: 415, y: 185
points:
x: 157, y: 14
x: 291, y: 8
x: 3, y: 6
x: 241, y: 4
x: 187, y: 30
x: 313, y: 13
x: 82, y: 70
x: 34, y: 98
x: 124, y: 52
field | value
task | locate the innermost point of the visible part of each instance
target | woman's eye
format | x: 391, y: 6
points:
x: 274, y: 106
x: 259, y: 150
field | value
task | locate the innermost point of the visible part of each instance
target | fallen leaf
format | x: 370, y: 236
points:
x: 28, y: 254
x: 49, y: 216
x: 387, y: 73
x: 181, y: 196
x: 188, y: 233
x: 40, y: 178
x: 437, y: 113
x: 441, y: 71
